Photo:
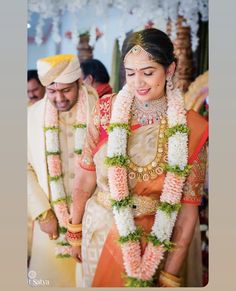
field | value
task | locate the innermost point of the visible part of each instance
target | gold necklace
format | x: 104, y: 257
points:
x: 155, y: 167
x: 150, y: 111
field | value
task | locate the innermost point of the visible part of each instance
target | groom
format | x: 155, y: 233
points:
x: 56, y: 131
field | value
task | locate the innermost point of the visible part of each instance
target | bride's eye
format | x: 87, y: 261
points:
x: 148, y: 74
x: 130, y: 74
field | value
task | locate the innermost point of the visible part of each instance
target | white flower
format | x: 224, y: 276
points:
x: 177, y: 150
x: 122, y: 105
x: 52, y: 141
x: 80, y: 134
x: 117, y: 142
x: 175, y: 111
x: 57, y: 189
x: 124, y: 220
x: 61, y: 238
x: 163, y: 225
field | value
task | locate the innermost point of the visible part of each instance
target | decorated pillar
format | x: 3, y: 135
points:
x: 183, y: 52
x: 85, y: 51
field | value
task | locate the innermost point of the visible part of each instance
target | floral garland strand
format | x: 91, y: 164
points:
x: 140, y: 270
x: 60, y: 200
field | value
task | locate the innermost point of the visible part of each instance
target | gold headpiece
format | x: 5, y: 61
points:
x: 137, y: 38
x: 137, y: 49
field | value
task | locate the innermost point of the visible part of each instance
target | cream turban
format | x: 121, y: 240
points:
x: 59, y: 68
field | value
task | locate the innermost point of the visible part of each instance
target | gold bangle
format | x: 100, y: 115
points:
x: 74, y: 227
x: 169, y: 280
x: 42, y: 216
x: 171, y: 277
x: 46, y: 216
x: 165, y: 282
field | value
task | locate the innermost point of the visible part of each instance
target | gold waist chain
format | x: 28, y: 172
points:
x: 142, y: 205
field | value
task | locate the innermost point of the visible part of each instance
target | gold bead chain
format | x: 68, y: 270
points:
x: 154, y: 168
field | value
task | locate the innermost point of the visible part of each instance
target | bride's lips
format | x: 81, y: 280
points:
x: 142, y: 92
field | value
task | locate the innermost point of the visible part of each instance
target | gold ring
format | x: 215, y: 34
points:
x: 54, y: 236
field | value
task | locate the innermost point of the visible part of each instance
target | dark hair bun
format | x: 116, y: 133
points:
x: 155, y: 42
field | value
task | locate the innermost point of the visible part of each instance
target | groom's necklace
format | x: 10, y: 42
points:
x: 149, y: 112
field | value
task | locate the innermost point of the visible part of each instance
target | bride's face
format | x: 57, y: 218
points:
x: 144, y: 76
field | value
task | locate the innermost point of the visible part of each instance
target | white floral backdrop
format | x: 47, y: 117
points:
x: 143, y: 11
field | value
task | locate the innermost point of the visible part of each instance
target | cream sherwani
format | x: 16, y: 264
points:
x: 59, y: 272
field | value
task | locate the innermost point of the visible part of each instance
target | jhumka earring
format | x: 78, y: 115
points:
x: 169, y: 83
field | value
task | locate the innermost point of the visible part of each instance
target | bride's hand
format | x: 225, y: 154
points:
x: 76, y: 254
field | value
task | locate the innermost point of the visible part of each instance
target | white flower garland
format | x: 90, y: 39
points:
x: 59, y: 198
x: 158, y: 11
x: 140, y: 270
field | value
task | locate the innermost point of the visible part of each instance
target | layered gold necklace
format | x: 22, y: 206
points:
x: 148, y: 113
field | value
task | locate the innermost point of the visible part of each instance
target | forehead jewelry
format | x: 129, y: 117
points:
x: 136, y: 50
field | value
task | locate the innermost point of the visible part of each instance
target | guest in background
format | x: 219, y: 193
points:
x: 35, y: 89
x: 95, y: 74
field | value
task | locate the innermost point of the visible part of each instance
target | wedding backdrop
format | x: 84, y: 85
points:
x: 56, y: 26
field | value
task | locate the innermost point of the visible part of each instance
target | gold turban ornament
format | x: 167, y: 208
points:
x: 64, y: 68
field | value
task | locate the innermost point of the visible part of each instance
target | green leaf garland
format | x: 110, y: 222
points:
x: 177, y: 128
x: 116, y: 161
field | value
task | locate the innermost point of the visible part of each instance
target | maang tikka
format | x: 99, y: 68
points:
x: 137, y: 49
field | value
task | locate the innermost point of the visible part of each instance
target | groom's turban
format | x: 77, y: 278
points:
x: 59, y: 68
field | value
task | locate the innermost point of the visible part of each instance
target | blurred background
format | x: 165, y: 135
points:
x: 97, y: 28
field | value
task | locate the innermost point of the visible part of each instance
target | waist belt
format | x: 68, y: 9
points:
x: 142, y: 205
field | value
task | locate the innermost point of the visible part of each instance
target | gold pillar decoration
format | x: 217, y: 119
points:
x: 183, y: 52
x: 85, y: 51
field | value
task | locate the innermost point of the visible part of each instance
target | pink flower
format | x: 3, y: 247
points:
x: 63, y: 250
x: 123, y: 102
x: 117, y: 177
x: 62, y: 214
x: 51, y: 115
x: 54, y: 165
x: 172, y: 189
x: 176, y: 106
x: 82, y: 105
x: 68, y: 34
x: 132, y: 257
x: 150, y: 261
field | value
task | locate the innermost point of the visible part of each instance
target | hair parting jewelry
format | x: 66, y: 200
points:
x: 137, y: 49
